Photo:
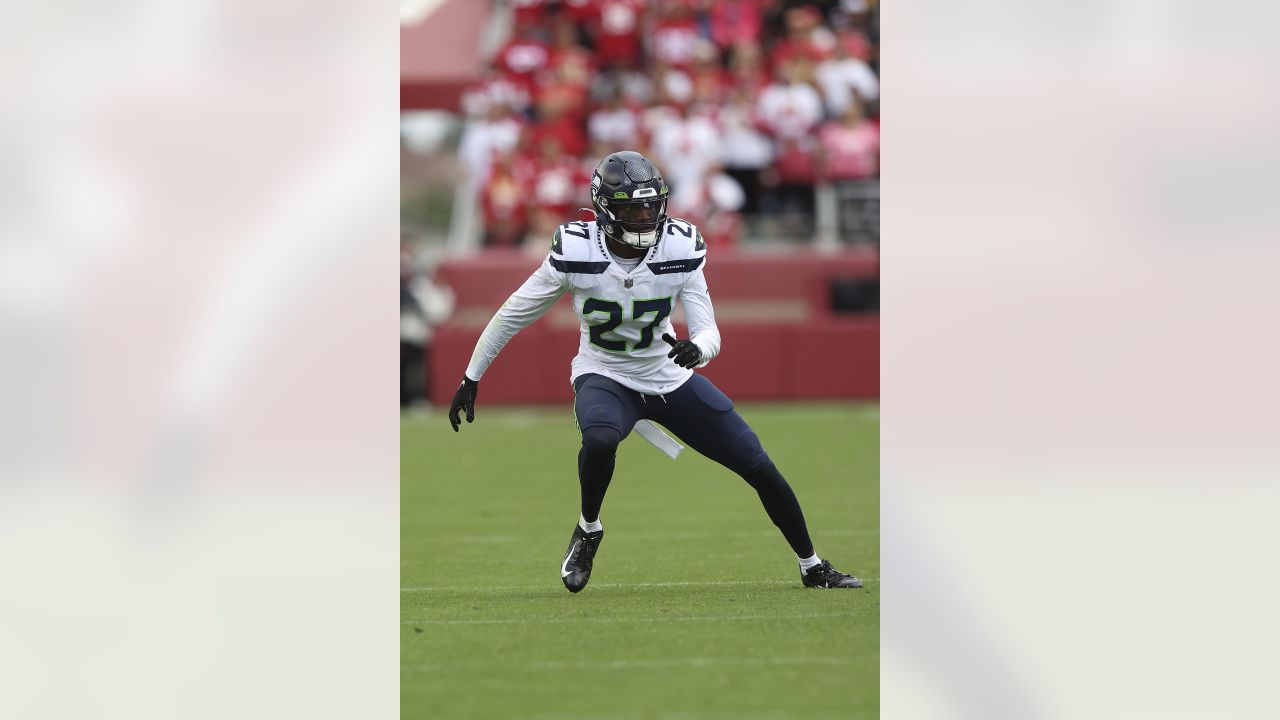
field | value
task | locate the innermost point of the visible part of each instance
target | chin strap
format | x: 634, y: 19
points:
x: 643, y: 247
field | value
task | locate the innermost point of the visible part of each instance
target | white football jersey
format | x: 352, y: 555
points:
x: 623, y: 313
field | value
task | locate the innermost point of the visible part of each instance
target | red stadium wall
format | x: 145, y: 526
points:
x: 437, y: 54
x: 780, y: 340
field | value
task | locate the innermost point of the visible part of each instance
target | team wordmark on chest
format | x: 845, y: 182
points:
x: 674, y: 266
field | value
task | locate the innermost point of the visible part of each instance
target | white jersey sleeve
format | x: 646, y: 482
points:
x: 696, y: 300
x: 534, y: 298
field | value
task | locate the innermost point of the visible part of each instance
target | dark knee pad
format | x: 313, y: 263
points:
x: 761, y: 472
x: 600, y: 441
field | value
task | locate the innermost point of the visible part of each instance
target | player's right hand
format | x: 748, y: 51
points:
x: 685, y: 352
x: 463, y: 399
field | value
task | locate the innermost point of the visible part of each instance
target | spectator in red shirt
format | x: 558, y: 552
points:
x: 734, y: 21
x: 561, y: 111
x: 746, y: 66
x: 710, y: 81
x: 790, y: 109
x: 499, y: 131
x: 673, y: 39
x: 636, y: 85
x: 524, y: 57
x: 845, y: 78
x: 528, y: 13
x: 617, y: 33
x: 748, y: 148
x: 503, y: 202
x: 570, y: 61
x: 857, y: 23
x: 685, y: 144
x: 494, y: 88
x: 850, y: 147
x: 711, y: 202
x: 614, y: 123
x: 584, y: 13
x: 555, y: 121
x: 806, y: 38
x: 672, y: 85
x: 557, y: 188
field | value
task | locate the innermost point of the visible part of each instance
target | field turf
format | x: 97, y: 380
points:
x: 695, y: 608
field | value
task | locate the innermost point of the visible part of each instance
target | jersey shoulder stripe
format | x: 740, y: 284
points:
x: 675, y: 266
x: 681, y: 249
x: 579, y: 266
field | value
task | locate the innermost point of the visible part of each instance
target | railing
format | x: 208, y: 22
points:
x: 845, y: 213
x: 857, y: 207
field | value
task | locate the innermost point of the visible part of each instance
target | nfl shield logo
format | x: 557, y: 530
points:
x: 627, y: 283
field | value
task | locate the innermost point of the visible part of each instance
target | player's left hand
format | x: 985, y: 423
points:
x: 685, y: 352
x: 463, y: 399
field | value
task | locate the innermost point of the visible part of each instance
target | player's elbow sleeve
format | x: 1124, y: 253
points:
x: 709, y: 343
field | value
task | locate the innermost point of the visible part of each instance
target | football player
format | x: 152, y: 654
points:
x: 626, y: 270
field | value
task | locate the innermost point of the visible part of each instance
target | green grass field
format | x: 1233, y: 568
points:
x: 695, y: 608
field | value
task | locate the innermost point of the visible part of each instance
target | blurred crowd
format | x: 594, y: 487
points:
x: 424, y: 304
x: 745, y: 105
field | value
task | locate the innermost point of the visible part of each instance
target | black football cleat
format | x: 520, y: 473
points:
x: 576, y: 569
x: 825, y: 576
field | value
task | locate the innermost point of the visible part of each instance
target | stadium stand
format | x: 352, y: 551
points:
x: 762, y: 114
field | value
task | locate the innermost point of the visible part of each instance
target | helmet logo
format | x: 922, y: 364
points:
x: 621, y: 195
x: 644, y: 193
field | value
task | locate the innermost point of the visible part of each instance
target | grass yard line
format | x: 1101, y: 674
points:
x: 697, y: 583
x: 631, y: 664
x: 693, y: 662
x: 661, y: 619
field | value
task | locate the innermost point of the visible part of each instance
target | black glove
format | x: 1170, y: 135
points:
x: 463, y: 399
x: 685, y: 352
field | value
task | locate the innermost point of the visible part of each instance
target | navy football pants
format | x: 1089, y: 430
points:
x: 704, y: 419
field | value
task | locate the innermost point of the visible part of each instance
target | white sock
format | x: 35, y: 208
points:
x: 811, y: 561
x: 590, y: 526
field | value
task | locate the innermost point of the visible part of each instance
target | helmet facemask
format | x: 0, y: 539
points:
x: 635, y: 223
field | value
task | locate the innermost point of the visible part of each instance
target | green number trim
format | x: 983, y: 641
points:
x: 661, y: 307
x: 593, y: 305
